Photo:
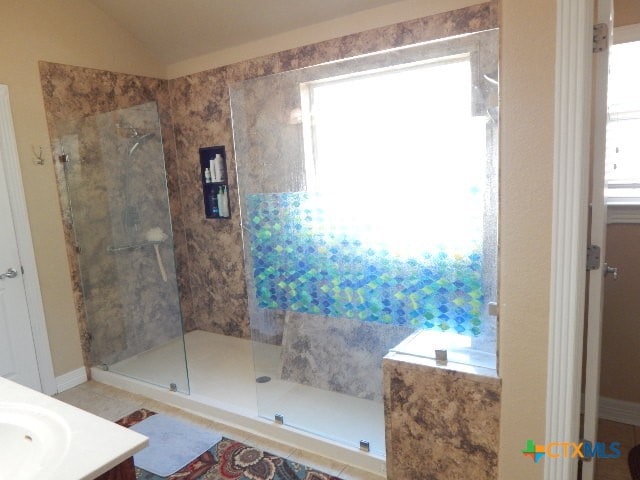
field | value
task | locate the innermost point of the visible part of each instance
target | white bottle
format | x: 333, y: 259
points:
x: 218, y: 169
x: 223, y: 201
x: 227, y: 213
x: 212, y: 170
x: 207, y: 175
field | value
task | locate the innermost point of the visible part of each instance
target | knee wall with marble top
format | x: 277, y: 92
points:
x: 440, y: 422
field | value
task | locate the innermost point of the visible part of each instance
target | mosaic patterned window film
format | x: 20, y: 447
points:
x: 369, y: 187
x: 307, y: 260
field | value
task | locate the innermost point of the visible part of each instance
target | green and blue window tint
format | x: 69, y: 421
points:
x: 311, y: 256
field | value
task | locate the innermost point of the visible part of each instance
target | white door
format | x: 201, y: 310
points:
x: 18, y: 360
x: 598, y: 234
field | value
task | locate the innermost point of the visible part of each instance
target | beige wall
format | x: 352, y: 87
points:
x: 65, y: 31
x: 621, y: 316
x: 627, y: 12
x: 526, y: 169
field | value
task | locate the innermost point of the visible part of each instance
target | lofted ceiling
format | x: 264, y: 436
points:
x: 176, y: 30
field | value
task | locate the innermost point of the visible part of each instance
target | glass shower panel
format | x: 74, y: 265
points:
x: 369, y: 208
x: 117, y: 190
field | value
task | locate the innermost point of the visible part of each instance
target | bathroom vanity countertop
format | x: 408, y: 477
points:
x: 46, y: 439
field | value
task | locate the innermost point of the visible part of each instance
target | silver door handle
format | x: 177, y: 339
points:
x: 10, y: 273
x: 611, y: 270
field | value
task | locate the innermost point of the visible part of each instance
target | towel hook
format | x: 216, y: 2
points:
x: 39, y: 160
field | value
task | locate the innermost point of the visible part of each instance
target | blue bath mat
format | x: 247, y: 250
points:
x: 172, y: 444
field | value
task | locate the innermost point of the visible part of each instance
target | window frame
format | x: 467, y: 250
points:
x: 620, y: 208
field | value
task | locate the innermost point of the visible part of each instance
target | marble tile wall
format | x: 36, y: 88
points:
x: 118, y: 314
x: 202, y: 118
x: 440, y: 423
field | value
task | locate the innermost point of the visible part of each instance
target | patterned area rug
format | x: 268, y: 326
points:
x: 233, y: 460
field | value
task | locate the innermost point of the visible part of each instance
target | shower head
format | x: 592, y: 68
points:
x: 127, y: 131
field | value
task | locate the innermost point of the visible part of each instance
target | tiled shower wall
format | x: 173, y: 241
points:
x: 195, y: 112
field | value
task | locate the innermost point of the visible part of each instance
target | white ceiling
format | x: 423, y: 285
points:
x: 176, y: 30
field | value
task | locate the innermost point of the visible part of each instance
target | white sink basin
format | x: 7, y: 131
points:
x: 33, y: 441
x: 42, y: 438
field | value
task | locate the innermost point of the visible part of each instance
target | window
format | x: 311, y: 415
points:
x: 623, y: 126
x: 400, y: 146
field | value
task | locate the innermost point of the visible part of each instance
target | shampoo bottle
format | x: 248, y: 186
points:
x: 223, y: 201
x: 218, y: 169
x: 227, y: 212
x: 207, y: 175
x: 214, y: 207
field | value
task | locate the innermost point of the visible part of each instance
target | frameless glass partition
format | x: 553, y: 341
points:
x: 117, y: 192
x: 368, y: 192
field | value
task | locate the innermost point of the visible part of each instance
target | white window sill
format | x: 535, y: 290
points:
x: 623, y: 213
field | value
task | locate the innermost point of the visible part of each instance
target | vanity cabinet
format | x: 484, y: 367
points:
x: 125, y: 471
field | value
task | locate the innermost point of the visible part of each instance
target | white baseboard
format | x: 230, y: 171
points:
x: 619, y: 411
x: 71, y: 379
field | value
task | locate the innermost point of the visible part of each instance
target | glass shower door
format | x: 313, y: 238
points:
x: 368, y: 199
x: 117, y: 192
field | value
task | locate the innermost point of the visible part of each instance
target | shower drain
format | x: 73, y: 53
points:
x: 263, y: 379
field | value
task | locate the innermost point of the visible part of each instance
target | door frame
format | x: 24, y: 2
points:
x: 574, y: 38
x: 11, y: 164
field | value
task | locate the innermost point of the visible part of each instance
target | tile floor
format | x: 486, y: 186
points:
x: 112, y: 403
x: 628, y: 436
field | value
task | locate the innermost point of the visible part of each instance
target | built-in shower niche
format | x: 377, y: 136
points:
x: 368, y: 203
x: 116, y: 189
x: 215, y: 183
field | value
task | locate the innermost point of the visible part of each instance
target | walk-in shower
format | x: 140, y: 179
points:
x: 367, y: 197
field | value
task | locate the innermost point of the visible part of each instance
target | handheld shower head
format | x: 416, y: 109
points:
x: 132, y: 133
x: 139, y: 139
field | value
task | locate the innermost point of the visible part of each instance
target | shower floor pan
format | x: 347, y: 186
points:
x: 223, y: 387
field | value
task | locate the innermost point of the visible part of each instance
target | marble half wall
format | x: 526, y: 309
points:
x: 202, y: 117
x: 339, y: 354
x: 117, y: 317
x: 441, y: 423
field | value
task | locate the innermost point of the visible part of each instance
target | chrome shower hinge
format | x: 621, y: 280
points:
x: 593, y: 257
x: 441, y: 357
x: 600, y: 37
